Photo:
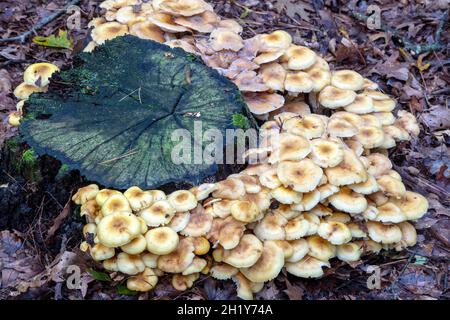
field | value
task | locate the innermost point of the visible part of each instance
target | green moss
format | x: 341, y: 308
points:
x: 240, y: 121
x: 29, y: 157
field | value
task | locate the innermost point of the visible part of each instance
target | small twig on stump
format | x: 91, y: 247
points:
x: 408, y: 44
x: 22, y: 37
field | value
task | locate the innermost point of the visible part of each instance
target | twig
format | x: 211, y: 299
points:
x: 22, y: 37
x: 407, y: 43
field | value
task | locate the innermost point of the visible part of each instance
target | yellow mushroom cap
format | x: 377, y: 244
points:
x: 128, y: 15
x: 162, y: 240
x: 225, y: 39
x: 367, y: 187
x: 350, y: 171
x: 273, y: 75
x: 245, y: 211
x: 320, y: 78
x: 297, y: 82
x: 363, y: 104
x: 335, y: 232
x: 391, y: 187
x: 222, y: 208
x: 308, y: 267
x: 408, y: 122
x: 412, y: 204
x: 286, y: 195
x: 137, y: 198
x: 231, y: 188
x: 268, y: 57
x: 290, y: 147
x: 356, y: 230
x: 302, y: 176
x: 150, y: 260
x: 223, y: 271
x: 300, y: 248
x: 409, y: 236
x: 263, y: 103
x: 296, y: 228
x: 159, y: 213
x: 246, y: 254
x: 231, y: 24
x: 203, y: 191
x: 390, y: 213
x: 182, y: 200
x: 347, y: 80
x: 244, y: 287
x: 385, y: 118
x: 115, y: 203
x: 130, y: 264
x: 178, y: 260
x: 100, y: 252
x: 309, y: 126
x: 339, y: 217
x: 313, y: 221
x: 271, y: 227
x: 309, y: 201
x: 118, y: 229
x: 14, y: 118
x: 379, y: 164
x: 251, y: 183
x: 349, y: 252
x: 38, y: 74
x: 320, y: 248
x: 341, y: 128
x: 103, y: 195
x: 383, y: 105
x: 299, y: 57
x: 275, y: 41
x: 326, y: 153
x: 143, y: 282
x: 199, y: 223
x: 370, y: 137
x: 197, y: 265
x: 229, y: 232
x: 108, y: 31
x: 183, y: 7
x: 110, y: 264
x: 383, y: 233
x: 268, y: 265
x: 90, y: 229
x: 179, y: 221
x: 147, y: 30
x: 182, y: 283
x: 85, y: 194
x: 203, y: 23
x: 135, y: 246
x: 201, y: 245
x: 24, y: 90
x: 333, y: 98
x: 327, y: 190
x: 348, y: 201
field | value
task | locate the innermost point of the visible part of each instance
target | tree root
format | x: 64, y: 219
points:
x: 24, y: 36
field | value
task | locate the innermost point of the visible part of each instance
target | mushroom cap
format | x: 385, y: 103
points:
x: 231, y: 24
x: 251, y: 183
x: 383, y: 233
x: 103, y: 195
x: 183, y: 7
x: 182, y: 200
x: 320, y: 248
x: 326, y: 153
x: 296, y: 228
x: 115, y: 203
x: 300, y: 248
x: 368, y: 187
x: 110, y: 264
x: 268, y: 265
x: 100, y: 252
x: 178, y: 260
x: 286, y: 211
x: 203, y: 23
x: 290, y: 147
x: 135, y: 246
x: 108, y: 31
x: 143, y: 282
x: 341, y: 128
x: 128, y: 15
x: 89, y: 228
x: 361, y: 105
x: 203, y: 191
x: 385, y: 118
x: 14, y: 118
x: 182, y: 283
x: 333, y: 97
x: 275, y: 41
x: 118, y: 229
x: 263, y: 103
x: 379, y: 164
x: 269, y: 178
x: 197, y: 265
x: 309, y: 201
x: 267, y: 57
x: 370, y: 213
x: 183, y: 44
x: 130, y: 264
x: 302, y: 176
x: 246, y: 254
x: 250, y: 81
x: 349, y: 252
x: 162, y: 240
x: 297, y: 82
x: 227, y: 232
x: 327, y: 190
x: 308, y: 267
x: 199, y: 224
x: 222, y: 208
x: 391, y: 187
x: 412, y: 204
x: 223, y: 271
x: 299, y: 57
x: 147, y: 30
x: 348, y: 201
x: 356, y: 230
x: 225, y: 39
x: 38, y: 74
x: 137, y: 198
x: 179, y: 221
x: 85, y: 194
x: 286, y: 195
x: 350, y: 171
x: 339, y: 217
x: 273, y: 75
x: 230, y: 188
x: 24, y: 90
x: 309, y: 126
x: 383, y: 105
x: 335, y: 232
x: 271, y: 227
x: 409, y: 235
x: 288, y: 250
x: 166, y: 23
x: 261, y: 199
x: 245, y: 211
x: 159, y: 213
x: 314, y: 222
x: 390, y: 213
x: 408, y: 122
x: 150, y: 260
x: 370, y: 137
x: 347, y: 80
x: 244, y: 287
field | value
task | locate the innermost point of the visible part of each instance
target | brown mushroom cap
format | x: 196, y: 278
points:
x: 225, y: 39
x: 263, y: 103
x: 203, y: 23
x: 178, y: 260
x: 199, y: 223
x: 412, y: 204
x: 302, y: 176
x: 245, y: 211
x: 182, y: 283
x: 108, y: 31
x: 320, y: 248
x: 273, y: 75
x: 147, y: 30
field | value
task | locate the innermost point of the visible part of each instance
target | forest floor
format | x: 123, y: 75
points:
x: 40, y: 233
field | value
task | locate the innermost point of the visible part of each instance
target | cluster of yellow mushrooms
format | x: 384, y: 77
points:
x: 322, y: 188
